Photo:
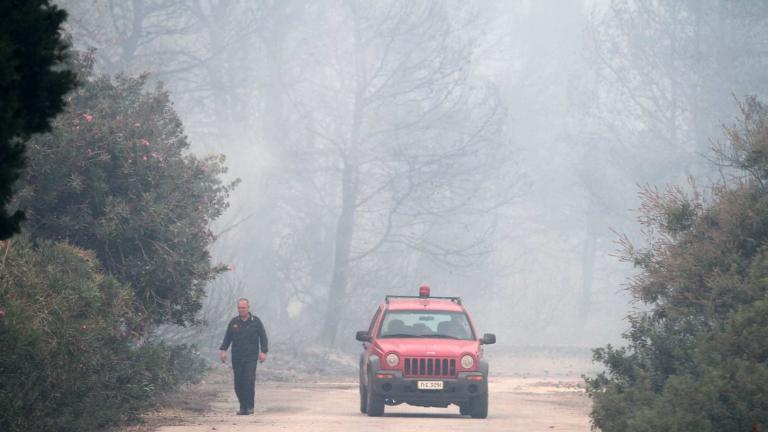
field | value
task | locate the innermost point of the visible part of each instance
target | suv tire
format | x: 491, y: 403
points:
x: 363, y: 399
x: 374, y: 403
x: 479, y: 406
x: 465, y: 408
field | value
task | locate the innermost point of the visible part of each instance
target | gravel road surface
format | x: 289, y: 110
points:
x: 516, y: 404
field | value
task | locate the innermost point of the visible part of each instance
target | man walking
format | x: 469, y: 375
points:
x: 249, y: 345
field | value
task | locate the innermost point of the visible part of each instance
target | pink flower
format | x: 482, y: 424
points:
x: 137, y: 124
x: 2, y: 312
x: 231, y: 267
x: 144, y: 157
x: 145, y: 142
x: 88, y: 117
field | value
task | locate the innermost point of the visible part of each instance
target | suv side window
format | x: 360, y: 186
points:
x: 373, y: 321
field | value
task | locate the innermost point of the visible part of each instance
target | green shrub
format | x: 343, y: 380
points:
x: 70, y: 360
x: 697, y: 359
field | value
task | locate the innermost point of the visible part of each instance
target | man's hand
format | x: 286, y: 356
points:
x: 262, y: 357
x: 223, y: 355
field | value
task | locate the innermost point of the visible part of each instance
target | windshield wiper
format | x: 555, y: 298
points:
x: 399, y: 335
x: 442, y: 336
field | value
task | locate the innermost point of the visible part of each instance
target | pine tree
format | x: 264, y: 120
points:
x: 697, y: 358
x: 32, y: 86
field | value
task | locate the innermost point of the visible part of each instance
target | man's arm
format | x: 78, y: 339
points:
x: 263, y: 342
x: 225, y: 344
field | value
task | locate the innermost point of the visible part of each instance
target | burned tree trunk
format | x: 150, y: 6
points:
x: 343, y: 243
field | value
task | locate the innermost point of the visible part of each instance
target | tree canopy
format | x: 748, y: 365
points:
x: 32, y: 87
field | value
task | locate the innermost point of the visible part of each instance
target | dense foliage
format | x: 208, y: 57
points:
x: 115, y: 177
x: 116, y: 242
x: 697, y: 358
x: 32, y: 86
x: 69, y: 359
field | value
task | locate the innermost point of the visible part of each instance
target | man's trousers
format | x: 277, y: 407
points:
x: 245, y: 382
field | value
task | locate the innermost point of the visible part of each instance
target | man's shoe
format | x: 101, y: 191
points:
x: 242, y: 412
x: 250, y: 411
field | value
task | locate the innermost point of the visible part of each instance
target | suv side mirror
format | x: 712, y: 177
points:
x: 363, y: 336
x: 488, y: 339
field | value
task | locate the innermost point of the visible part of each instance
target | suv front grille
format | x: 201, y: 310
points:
x: 437, y: 367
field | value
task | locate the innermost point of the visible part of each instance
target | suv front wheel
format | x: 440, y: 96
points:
x: 363, y: 399
x: 479, y: 406
x: 374, y: 403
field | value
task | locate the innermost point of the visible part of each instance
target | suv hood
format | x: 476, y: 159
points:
x: 426, y: 347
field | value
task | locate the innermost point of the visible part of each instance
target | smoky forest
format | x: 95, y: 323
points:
x: 590, y: 177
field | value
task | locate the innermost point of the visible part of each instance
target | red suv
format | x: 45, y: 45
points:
x: 423, y: 351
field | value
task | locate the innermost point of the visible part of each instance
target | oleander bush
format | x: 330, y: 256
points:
x: 116, y: 176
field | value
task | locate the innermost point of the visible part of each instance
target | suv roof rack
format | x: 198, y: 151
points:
x: 456, y: 300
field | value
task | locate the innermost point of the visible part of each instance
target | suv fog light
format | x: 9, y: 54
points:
x: 392, y: 360
x: 467, y: 361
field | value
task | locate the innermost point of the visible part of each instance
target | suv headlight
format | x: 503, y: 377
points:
x: 392, y: 360
x: 467, y: 361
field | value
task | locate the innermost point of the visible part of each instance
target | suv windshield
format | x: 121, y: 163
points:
x: 426, y: 324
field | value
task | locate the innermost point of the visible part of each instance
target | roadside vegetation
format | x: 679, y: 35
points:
x: 116, y: 243
x: 696, y: 357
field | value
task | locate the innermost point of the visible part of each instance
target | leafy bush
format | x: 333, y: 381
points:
x: 70, y: 361
x: 697, y: 360
x: 116, y: 242
x: 115, y: 176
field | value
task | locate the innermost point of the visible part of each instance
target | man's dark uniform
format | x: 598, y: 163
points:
x: 248, y: 339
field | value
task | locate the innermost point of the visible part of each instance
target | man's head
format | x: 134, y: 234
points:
x: 243, y: 308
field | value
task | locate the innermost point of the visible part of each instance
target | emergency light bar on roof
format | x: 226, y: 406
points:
x: 423, y: 294
x: 456, y: 300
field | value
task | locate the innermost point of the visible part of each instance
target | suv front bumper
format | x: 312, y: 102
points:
x: 405, y: 389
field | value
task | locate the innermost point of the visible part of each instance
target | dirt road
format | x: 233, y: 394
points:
x: 530, y: 391
x: 517, y: 404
